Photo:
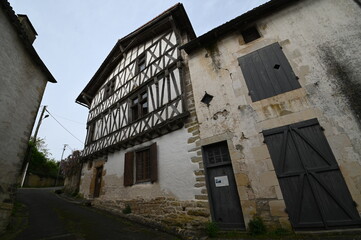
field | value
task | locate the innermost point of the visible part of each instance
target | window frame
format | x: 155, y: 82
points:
x: 250, y: 34
x: 109, y: 88
x: 145, y: 172
x: 91, y: 133
x: 130, y: 167
x: 136, y: 110
x: 141, y: 62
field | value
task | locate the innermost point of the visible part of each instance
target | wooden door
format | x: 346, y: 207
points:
x: 225, y: 204
x: 312, y: 185
x: 98, y: 181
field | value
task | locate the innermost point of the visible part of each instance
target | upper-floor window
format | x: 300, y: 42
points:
x: 139, y: 105
x: 141, y: 63
x: 267, y: 72
x: 109, y: 88
x: 91, y: 133
x: 250, y: 34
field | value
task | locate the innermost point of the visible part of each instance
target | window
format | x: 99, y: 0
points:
x: 91, y: 131
x: 250, y: 34
x: 216, y: 153
x: 109, y: 88
x: 142, y: 164
x: 267, y: 72
x: 141, y: 63
x: 139, y: 106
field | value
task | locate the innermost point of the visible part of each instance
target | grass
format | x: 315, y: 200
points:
x: 18, y: 222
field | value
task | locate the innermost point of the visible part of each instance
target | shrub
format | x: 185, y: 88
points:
x: 212, y: 229
x: 256, y: 226
x: 127, y: 210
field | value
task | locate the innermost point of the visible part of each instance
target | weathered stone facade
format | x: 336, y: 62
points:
x: 324, y: 53
x: 23, y: 79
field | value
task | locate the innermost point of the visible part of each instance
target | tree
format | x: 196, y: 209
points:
x: 72, y: 164
x: 71, y: 168
x: 40, y: 162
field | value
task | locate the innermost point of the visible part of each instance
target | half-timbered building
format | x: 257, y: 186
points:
x: 142, y: 145
x: 277, y: 93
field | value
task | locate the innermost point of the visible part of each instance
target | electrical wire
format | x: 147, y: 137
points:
x: 68, y: 119
x: 63, y: 126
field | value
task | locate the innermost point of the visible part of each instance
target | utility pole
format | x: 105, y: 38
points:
x: 61, y: 159
x: 28, y: 158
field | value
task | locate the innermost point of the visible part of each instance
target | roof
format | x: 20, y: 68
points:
x: 179, y: 15
x: 237, y: 23
x: 5, y: 5
x: 29, y: 22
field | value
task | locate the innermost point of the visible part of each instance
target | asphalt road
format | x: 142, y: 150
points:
x: 52, y: 217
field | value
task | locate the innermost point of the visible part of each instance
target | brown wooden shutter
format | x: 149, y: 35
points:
x: 153, y: 163
x: 128, y: 169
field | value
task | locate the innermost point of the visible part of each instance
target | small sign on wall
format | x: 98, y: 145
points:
x: 221, y: 181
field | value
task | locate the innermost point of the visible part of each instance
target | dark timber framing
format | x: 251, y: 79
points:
x: 117, y: 115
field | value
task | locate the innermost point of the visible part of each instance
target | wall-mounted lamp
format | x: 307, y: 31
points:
x: 207, y: 98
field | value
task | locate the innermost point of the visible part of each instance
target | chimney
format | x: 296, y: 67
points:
x: 28, y: 27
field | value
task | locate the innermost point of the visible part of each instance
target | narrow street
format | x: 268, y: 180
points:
x: 52, y: 217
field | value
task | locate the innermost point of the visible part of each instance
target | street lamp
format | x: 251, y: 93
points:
x: 30, y: 149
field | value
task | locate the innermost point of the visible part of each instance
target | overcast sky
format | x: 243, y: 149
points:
x: 75, y: 36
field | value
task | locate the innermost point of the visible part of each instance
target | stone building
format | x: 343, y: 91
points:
x: 23, y: 78
x: 141, y: 151
x: 277, y: 97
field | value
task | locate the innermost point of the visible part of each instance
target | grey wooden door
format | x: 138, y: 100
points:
x: 312, y: 185
x: 225, y: 205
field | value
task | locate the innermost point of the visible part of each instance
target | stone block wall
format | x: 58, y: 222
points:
x: 168, y: 213
x: 22, y: 87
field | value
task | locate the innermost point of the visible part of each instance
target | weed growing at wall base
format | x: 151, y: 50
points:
x: 127, y: 210
x: 212, y: 229
x: 256, y: 226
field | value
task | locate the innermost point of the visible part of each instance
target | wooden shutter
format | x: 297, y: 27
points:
x: 312, y: 185
x: 153, y: 163
x: 128, y: 169
x: 267, y: 72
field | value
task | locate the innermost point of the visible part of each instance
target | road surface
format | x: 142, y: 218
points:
x: 52, y: 217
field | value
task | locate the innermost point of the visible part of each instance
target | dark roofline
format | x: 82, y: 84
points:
x: 30, y: 24
x: 237, y: 23
x: 97, y: 80
x: 5, y: 5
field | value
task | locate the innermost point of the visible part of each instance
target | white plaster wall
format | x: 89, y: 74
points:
x: 175, y: 172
